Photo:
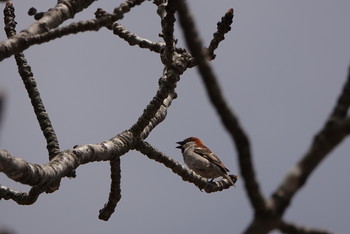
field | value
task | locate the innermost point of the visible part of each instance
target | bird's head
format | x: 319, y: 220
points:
x: 189, y: 141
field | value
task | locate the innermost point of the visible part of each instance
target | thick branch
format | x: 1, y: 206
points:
x: 24, y: 40
x: 33, y: 174
x: 64, y: 10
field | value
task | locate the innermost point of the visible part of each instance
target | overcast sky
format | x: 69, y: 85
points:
x: 281, y: 69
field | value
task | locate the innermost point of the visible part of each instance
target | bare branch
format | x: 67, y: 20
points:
x: 291, y: 228
x: 2, y: 105
x: 224, y: 26
x: 159, y: 116
x: 130, y: 37
x: 33, y: 174
x: 228, y: 118
x: 165, y: 91
x: 334, y: 132
x: 342, y: 106
x: 115, y: 191
x: 19, y: 197
x: 133, y: 39
x: 324, y: 142
x: 31, y: 87
x: 24, y: 40
x: 23, y: 198
x: 186, y: 174
x: 64, y: 10
x: 46, y: 177
x: 161, y: 4
x: 168, y: 34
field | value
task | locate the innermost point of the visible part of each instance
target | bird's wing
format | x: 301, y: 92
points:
x: 211, y: 157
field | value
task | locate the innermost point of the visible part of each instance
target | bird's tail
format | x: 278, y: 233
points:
x: 232, y: 179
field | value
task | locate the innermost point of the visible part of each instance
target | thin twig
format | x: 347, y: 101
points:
x: 2, y: 105
x: 342, y: 106
x: 19, y: 197
x: 291, y: 228
x: 133, y: 39
x: 167, y: 23
x: 31, y: 86
x: 22, y: 198
x: 223, y: 27
x: 115, y: 191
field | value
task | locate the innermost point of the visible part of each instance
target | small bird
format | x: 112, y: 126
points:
x: 202, y: 160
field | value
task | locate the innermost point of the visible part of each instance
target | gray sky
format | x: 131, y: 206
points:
x: 281, y: 69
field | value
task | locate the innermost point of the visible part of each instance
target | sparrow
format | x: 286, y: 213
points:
x: 202, y: 160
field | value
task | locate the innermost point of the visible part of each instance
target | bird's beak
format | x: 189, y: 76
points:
x: 180, y: 144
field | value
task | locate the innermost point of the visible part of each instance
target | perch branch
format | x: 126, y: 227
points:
x: 186, y: 174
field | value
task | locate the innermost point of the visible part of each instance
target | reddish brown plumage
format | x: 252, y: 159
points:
x: 202, y: 160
